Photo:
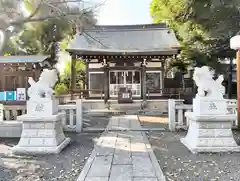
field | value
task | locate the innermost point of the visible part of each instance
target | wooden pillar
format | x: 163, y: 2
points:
x: 106, y: 82
x: 229, y: 91
x: 26, y: 82
x: 163, y: 75
x: 144, y: 83
x: 21, y: 81
x: 37, y: 72
x: 73, y: 75
x: 87, y: 75
x: 3, y: 82
x: 238, y: 86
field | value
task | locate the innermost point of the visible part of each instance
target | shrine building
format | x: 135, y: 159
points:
x: 124, y: 56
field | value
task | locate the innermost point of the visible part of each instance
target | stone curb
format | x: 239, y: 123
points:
x: 156, y: 166
x: 122, y: 129
x: 89, y: 162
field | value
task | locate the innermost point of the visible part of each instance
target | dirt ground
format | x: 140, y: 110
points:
x: 153, y: 121
x: 65, y: 166
x: 179, y: 164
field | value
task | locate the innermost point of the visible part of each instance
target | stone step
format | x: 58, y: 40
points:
x: 126, y: 106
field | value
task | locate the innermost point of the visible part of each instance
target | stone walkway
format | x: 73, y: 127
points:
x: 122, y: 155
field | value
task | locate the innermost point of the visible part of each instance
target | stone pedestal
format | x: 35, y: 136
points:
x: 210, y: 133
x: 42, y: 130
x: 43, y: 135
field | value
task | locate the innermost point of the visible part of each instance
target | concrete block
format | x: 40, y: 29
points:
x: 50, y: 125
x: 28, y: 133
x: 24, y: 141
x: 45, y: 133
x: 36, y: 125
x: 36, y: 141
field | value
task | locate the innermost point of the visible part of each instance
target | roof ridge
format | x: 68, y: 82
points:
x: 126, y: 30
x: 140, y: 27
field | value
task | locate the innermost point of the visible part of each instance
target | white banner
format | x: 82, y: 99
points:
x: 21, y: 94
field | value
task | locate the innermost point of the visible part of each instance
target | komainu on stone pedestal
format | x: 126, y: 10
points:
x: 42, y: 130
x: 210, y: 123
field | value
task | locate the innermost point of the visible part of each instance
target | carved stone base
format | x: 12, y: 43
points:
x: 41, y: 135
x: 42, y: 107
x: 210, y: 134
x: 206, y: 106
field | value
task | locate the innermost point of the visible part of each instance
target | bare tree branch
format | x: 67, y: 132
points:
x: 19, y: 22
x: 43, y: 10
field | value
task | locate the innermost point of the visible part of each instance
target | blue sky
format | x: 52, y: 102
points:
x: 120, y: 12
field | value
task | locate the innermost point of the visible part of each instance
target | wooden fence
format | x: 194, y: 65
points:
x: 176, y: 111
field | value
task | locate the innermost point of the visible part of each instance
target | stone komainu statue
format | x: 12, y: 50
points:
x: 207, y: 86
x: 43, y: 88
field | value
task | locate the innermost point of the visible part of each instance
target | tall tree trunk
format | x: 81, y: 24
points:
x: 4, y: 36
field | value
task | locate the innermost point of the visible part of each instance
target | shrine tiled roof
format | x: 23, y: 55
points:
x: 23, y: 59
x: 155, y: 39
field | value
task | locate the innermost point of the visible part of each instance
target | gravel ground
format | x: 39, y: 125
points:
x: 63, y: 167
x: 179, y: 164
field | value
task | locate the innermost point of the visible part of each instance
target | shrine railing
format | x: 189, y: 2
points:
x: 171, y: 93
x: 176, y: 111
x: 72, y: 121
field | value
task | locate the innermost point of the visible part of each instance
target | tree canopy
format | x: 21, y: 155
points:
x: 203, y: 27
x: 27, y: 25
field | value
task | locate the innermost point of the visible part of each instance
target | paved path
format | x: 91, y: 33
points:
x: 122, y: 156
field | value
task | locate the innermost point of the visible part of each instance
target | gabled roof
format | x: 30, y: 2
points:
x: 23, y: 59
x: 150, y: 39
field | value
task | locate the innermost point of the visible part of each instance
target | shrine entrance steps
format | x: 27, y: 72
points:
x: 129, y: 108
x: 150, y: 118
x: 106, y: 123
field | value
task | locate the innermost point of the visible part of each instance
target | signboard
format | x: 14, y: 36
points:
x: 21, y: 94
x: 10, y: 95
x: 125, y: 95
x: 2, y: 96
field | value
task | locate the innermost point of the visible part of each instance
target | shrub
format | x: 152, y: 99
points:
x: 61, y: 88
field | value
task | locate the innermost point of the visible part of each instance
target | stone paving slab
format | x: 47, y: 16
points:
x: 144, y: 179
x: 122, y: 156
x: 122, y: 159
x: 101, y: 166
x: 121, y: 173
x: 142, y: 166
